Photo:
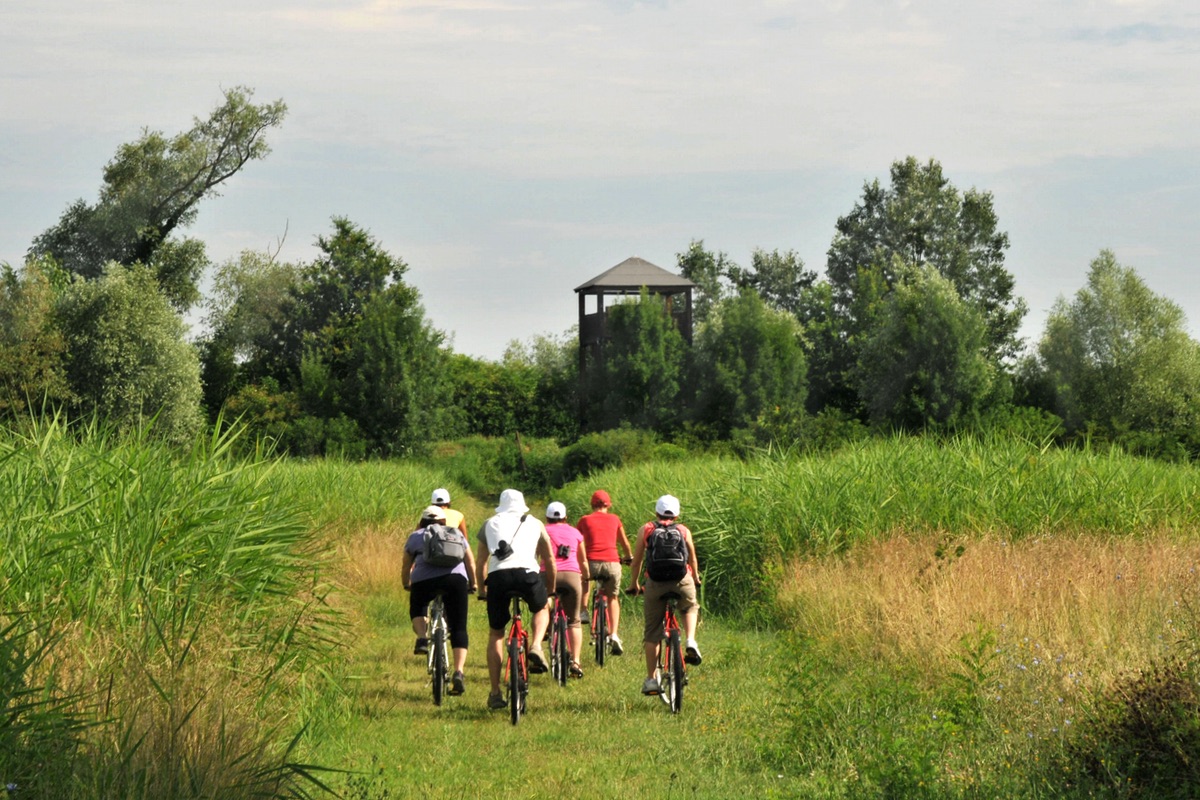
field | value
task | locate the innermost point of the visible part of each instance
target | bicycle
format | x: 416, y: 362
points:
x: 560, y: 651
x: 600, y: 626
x: 439, y: 656
x: 516, y: 665
x: 672, y: 669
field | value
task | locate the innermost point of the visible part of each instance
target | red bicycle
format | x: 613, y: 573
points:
x: 560, y: 650
x: 672, y: 670
x: 516, y: 667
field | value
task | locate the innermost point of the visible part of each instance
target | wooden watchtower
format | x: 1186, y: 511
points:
x: 622, y: 281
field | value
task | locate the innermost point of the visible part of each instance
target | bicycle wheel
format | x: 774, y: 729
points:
x: 560, y: 655
x: 515, y: 701
x: 600, y: 628
x: 439, y: 664
x: 673, y: 691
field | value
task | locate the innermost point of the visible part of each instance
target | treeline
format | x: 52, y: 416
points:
x: 913, y: 327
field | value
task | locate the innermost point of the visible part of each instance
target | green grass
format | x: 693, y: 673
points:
x: 598, y: 731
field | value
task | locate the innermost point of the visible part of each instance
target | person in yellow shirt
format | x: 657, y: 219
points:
x: 454, y: 519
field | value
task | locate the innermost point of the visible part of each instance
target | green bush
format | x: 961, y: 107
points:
x: 1142, y: 738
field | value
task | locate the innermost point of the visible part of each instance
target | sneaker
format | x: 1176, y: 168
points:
x: 576, y: 670
x: 651, y: 688
x: 615, y: 641
x: 692, y: 656
x: 537, y: 663
x: 456, y: 684
x: 421, y: 648
x: 496, y: 700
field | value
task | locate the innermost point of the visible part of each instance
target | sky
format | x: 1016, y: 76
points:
x: 510, y: 150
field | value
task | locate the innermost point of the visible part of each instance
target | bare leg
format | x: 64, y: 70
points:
x: 420, y: 627
x: 614, y: 613
x: 495, y: 657
x: 690, y: 620
x: 541, y: 621
x: 651, y: 649
x: 575, y: 639
x: 460, y: 658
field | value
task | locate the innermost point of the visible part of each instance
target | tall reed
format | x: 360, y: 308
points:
x: 188, y: 599
x: 751, y: 517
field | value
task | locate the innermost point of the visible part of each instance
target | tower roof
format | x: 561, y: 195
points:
x: 634, y: 273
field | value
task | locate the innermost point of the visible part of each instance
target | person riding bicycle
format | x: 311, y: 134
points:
x: 666, y: 514
x: 570, y: 555
x: 455, y: 519
x: 424, y: 581
x: 602, y: 531
x: 511, y: 545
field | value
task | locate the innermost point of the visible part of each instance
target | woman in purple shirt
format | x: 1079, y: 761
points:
x: 570, y: 557
x: 424, y: 581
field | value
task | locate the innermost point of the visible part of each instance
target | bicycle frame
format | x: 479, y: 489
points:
x: 560, y: 646
x: 601, y: 628
x: 672, y: 670
x: 516, y: 666
x: 439, y: 656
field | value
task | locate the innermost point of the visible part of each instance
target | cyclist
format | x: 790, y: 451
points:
x: 424, y: 581
x: 455, y: 519
x: 602, y: 532
x: 666, y: 513
x: 570, y: 555
x: 511, y: 545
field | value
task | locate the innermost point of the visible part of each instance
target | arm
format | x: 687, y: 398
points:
x: 624, y: 541
x: 406, y: 567
x: 481, y: 562
x: 545, y: 553
x: 693, y: 563
x: 584, y: 570
x: 635, y: 572
x: 469, y: 563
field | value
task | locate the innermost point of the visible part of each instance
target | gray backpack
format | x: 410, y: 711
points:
x: 444, y: 546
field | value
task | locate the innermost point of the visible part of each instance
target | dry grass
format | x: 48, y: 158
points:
x: 1101, y: 606
x: 369, y: 559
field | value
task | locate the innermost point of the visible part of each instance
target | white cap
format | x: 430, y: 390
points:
x: 435, y: 513
x: 512, y: 500
x: 556, y: 510
x: 667, y: 506
x: 439, y: 497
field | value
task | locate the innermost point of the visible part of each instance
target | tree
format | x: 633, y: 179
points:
x: 643, y: 367
x: 923, y: 364
x: 1119, y: 357
x: 749, y: 360
x: 152, y: 187
x: 922, y: 219
x: 248, y: 308
x: 126, y: 357
x: 711, y: 274
x: 779, y: 278
x: 32, y: 349
x: 348, y: 342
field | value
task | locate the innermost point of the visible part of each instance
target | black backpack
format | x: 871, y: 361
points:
x: 444, y: 546
x: 666, y: 553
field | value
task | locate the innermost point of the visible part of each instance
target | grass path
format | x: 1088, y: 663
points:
x: 598, y: 736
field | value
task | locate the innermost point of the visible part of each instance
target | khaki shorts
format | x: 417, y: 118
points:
x: 570, y: 587
x: 655, y: 606
x: 608, y: 575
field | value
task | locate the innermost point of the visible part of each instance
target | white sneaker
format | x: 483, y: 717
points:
x: 617, y: 647
x: 692, y: 656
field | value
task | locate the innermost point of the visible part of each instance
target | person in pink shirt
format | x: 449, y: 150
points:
x: 570, y: 557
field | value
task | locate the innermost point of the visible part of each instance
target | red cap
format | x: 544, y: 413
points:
x: 600, y: 498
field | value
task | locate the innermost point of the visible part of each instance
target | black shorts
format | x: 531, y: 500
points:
x: 454, y: 593
x: 528, y: 584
